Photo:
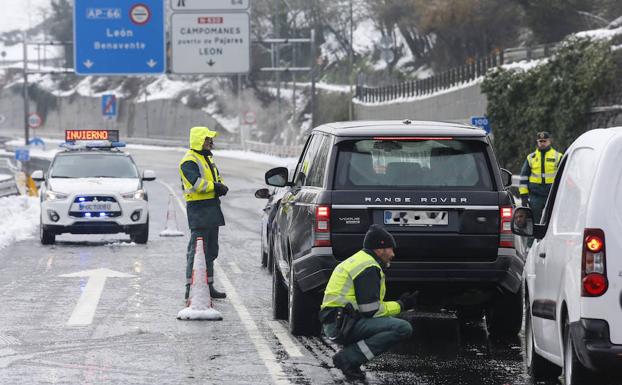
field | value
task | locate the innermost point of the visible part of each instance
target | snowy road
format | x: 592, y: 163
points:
x: 134, y: 337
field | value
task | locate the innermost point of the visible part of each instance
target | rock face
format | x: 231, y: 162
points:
x: 157, y: 119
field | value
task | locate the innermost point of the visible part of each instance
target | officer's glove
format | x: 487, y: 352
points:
x: 221, y: 189
x: 524, y: 199
x: 408, y: 300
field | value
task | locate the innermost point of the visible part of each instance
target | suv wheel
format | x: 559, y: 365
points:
x: 142, y: 236
x: 504, y: 317
x: 537, y: 366
x: 574, y: 372
x: 47, y: 237
x: 303, y: 320
x: 279, y: 295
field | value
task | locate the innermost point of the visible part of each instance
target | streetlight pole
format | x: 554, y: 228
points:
x: 25, y: 91
x: 351, y: 65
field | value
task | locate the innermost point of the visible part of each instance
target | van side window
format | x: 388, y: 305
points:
x: 574, y: 191
x: 550, y: 202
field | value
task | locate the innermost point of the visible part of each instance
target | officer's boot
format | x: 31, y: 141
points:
x: 215, y: 293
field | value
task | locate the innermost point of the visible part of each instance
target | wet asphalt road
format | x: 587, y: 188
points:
x: 134, y: 337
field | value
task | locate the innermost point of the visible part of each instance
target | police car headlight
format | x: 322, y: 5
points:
x: 138, y: 195
x: 54, y: 196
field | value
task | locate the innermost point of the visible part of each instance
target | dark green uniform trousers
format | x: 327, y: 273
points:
x: 371, y: 337
x: 210, y: 247
x: 537, y: 203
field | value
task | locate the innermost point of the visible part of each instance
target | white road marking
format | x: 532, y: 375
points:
x: 234, y: 266
x: 261, y: 345
x: 87, y: 304
x: 285, y: 339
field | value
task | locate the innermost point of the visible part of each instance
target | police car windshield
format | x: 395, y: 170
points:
x: 93, y: 166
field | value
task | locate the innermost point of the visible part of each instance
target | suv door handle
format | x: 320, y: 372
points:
x: 542, y: 255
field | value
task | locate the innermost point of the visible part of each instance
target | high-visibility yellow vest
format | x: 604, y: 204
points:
x: 203, y: 188
x: 551, y: 162
x: 340, y: 289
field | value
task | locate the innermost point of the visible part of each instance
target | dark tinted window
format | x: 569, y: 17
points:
x: 412, y: 164
x: 93, y: 166
x: 318, y: 159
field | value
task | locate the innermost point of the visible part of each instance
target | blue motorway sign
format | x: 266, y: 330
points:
x: 119, y: 37
x: 22, y: 154
x: 482, y: 122
x: 109, y: 106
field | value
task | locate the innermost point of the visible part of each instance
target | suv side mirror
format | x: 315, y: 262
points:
x: 262, y: 193
x: 37, y: 176
x: 149, y: 175
x: 506, y: 177
x: 522, y: 222
x: 277, y: 177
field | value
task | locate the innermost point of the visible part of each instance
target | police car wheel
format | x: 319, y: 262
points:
x: 47, y: 237
x: 142, y: 236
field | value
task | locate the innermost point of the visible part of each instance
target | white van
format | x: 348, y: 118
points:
x: 573, y: 274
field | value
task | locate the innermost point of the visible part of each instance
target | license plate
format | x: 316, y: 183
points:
x: 415, y: 218
x: 95, y: 207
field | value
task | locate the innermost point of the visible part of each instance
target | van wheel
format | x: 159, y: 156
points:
x: 574, y: 372
x: 279, y: 295
x: 47, y: 237
x: 142, y: 236
x: 504, y: 317
x: 302, y: 312
x: 537, y: 366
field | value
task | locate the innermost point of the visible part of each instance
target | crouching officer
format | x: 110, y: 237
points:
x: 202, y: 186
x: 354, y: 313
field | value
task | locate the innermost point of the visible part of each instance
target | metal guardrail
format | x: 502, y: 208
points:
x: 475, y: 68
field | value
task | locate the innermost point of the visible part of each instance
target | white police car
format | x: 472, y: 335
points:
x: 91, y: 187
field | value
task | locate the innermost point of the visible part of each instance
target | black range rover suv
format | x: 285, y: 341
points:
x: 435, y: 186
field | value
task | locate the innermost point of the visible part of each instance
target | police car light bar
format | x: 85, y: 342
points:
x: 79, y: 139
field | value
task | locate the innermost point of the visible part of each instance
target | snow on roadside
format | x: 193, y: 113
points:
x: 19, y: 219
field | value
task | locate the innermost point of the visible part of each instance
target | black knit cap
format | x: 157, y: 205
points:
x: 378, y: 238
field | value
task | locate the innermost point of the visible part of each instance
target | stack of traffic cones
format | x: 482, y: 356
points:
x: 171, y: 229
x: 200, y: 303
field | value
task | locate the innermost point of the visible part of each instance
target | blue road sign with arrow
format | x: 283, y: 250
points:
x: 119, y: 37
x: 22, y: 154
x: 109, y: 106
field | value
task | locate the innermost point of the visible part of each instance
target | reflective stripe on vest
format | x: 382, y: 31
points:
x: 551, y: 161
x: 203, y: 188
x: 340, y: 289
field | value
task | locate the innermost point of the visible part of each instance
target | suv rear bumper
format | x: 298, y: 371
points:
x: 593, y: 346
x: 314, y: 269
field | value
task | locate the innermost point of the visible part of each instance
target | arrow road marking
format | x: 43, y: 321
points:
x: 152, y: 63
x: 87, y: 304
x: 211, y: 62
x: 88, y: 63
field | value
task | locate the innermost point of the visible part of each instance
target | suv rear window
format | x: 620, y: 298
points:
x: 412, y: 164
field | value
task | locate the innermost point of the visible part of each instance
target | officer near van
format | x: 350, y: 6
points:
x: 203, y: 186
x: 354, y: 313
x: 538, y: 173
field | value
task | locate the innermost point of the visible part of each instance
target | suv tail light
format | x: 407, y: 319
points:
x: 593, y: 265
x: 321, y: 230
x: 506, y: 237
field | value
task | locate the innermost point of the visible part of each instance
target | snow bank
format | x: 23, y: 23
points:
x: 19, y: 219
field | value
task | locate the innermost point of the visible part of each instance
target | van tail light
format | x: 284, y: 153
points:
x: 321, y: 230
x: 506, y: 237
x: 593, y: 264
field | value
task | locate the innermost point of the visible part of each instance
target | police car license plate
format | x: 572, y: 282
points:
x: 415, y: 218
x: 95, y: 207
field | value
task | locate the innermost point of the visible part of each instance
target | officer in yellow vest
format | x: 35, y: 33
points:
x: 538, y: 173
x: 202, y: 185
x: 359, y: 281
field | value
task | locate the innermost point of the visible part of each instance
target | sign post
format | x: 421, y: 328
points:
x: 119, y: 37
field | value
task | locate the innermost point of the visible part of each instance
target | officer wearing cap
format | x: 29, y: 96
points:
x: 203, y: 187
x: 360, y: 281
x: 538, y: 173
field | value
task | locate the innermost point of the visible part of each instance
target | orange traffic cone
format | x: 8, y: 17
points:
x: 171, y: 229
x: 200, y: 307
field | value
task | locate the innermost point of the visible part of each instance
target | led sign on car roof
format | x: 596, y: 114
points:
x: 80, y: 135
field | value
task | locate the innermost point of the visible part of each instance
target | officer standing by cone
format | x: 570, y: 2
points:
x: 537, y: 175
x: 354, y: 312
x: 202, y: 186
